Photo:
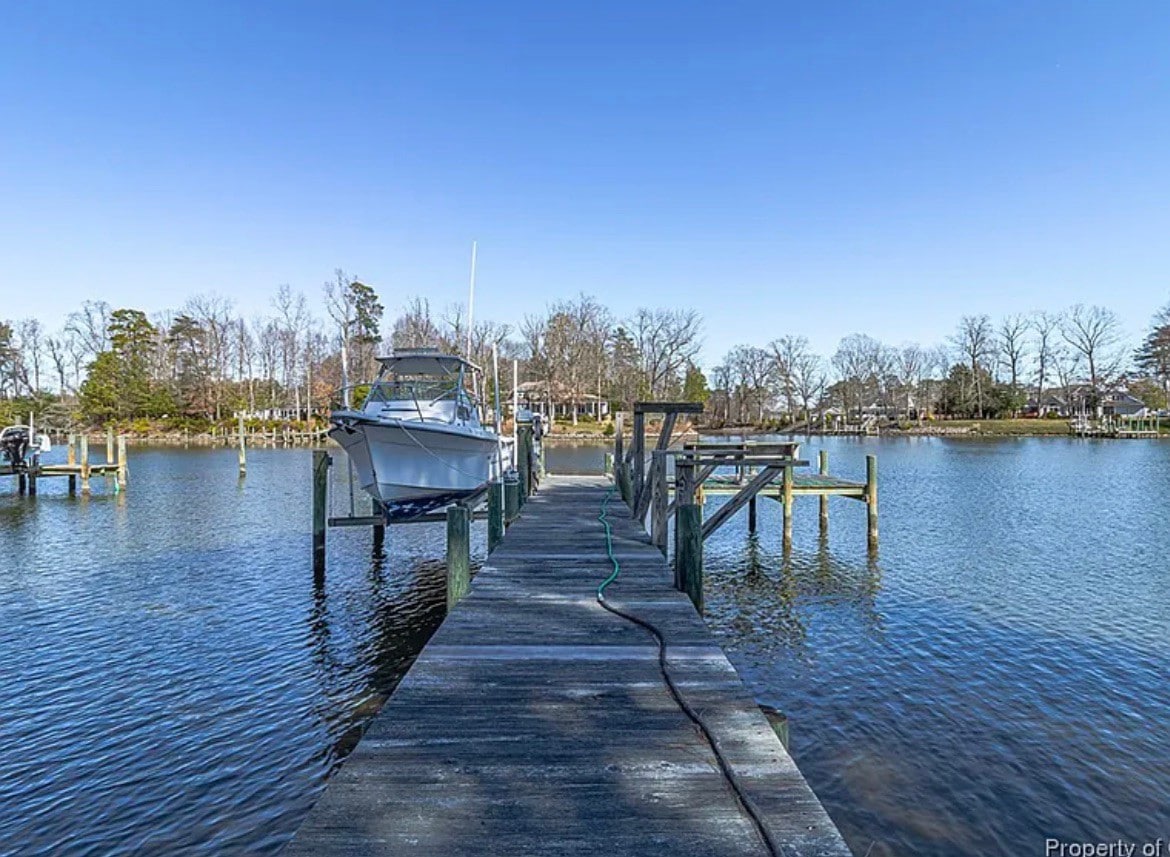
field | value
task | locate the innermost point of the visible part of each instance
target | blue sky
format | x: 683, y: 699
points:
x: 813, y: 168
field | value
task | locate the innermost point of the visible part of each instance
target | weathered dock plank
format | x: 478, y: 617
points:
x: 535, y: 722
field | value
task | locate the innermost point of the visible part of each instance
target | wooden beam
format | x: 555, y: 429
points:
x: 763, y: 478
x: 668, y: 408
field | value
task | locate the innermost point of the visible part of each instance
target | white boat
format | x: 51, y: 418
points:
x: 417, y: 443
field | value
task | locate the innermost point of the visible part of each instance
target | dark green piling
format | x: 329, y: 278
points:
x: 495, y: 504
x: 689, y: 559
x: 511, y: 496
x: 321, y: 462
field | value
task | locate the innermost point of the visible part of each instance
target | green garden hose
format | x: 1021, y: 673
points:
x: 741, y: 796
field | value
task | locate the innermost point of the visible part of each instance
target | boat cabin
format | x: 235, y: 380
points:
x: 423, y: 385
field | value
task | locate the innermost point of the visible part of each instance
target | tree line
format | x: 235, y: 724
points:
x: 985, y: 368
x: 201, y: 363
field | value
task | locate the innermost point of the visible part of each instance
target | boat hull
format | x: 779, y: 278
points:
x: 414, y: 468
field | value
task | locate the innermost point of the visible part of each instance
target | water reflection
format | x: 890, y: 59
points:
x: 764, y: 599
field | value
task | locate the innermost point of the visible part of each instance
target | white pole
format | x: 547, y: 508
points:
x: 499, y: 436
x: 515, y: 406
x: 471, y: 301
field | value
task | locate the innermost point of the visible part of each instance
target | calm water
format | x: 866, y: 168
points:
x: 173, y: 682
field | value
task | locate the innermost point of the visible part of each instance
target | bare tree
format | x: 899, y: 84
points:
x: 1012, y: 342
x: 666, y: 341
x: 58, y: 355
x: 415, y: 328
x: 911, y: 366
x: 787, y: 352
x: 89, y: 327
x: 341, y: 304
x: 1094, y: 333
x: 858, y: 361
x: 31, y: 352
x: 975, y: 340
x: 807, y: 376
x: 1045, y: 325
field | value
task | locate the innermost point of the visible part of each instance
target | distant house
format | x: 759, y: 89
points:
x: 1121, y: 403
x: 1050, y: 404
x: 553, y: 401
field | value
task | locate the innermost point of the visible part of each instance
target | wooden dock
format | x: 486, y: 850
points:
x: 535, y: 722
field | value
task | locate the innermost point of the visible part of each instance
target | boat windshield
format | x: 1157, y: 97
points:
x: 421, y: 391
x: 428, y: 399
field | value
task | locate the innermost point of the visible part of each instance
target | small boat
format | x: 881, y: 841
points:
x: 417, y: 442
x: 19, y: 446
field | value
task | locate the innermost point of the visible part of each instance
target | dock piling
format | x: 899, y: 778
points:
x: 243, y: 451
x: 458, y: 553
x: 871, y: 501
x: 321, y: 462
x: 689, y: 559
x: 524, y: 459
x: 85, y: 464
x: 659, y: 500
x: 752, y: 515
x: 71, y: 460
x: 122, y: 465
x: 109, y: 445
x: 495, y: 504
x: 823, y: 468
x: 511, y: 497
x: 786, y: 500
x: 380, y: 528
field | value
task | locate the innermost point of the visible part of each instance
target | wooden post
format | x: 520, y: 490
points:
x: 71, y: 459
x: 684, y: 495
x: 34, y: 468
x: 658, y: 500
x: 511, y: 497
x: 243, y: 452
x: 123, y: 467
x: 85, y: 464
x: 524, y: 460
x: 689, y: 562
x: 21, y: 483
x: 495, y: 504
x: 321, y: 462
x: 618, y: 441
x: 871, y: 500
x: 109, y: 445
x: 637, y: 449
x: 823, y: 468
x: 458, y: 553
x: 778, y: 721
x: 752, y: 515
x: 379, y: 529
x: 787, y: 500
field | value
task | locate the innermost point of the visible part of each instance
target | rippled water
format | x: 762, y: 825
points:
x: 173, y: 682
x: 997, y: 674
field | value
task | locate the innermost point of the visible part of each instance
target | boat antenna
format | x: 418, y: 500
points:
x: 471, y: 301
